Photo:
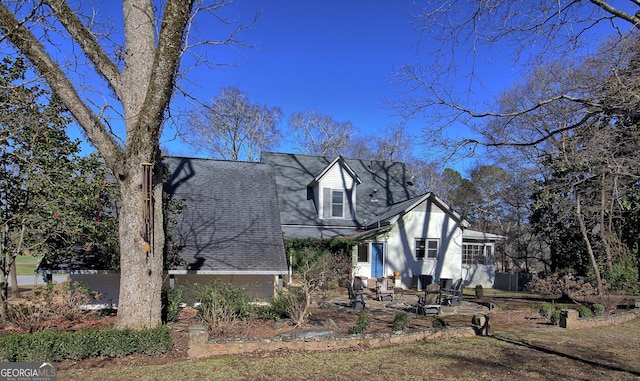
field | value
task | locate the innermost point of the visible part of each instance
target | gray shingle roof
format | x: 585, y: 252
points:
x: 295, y: 172
x: 231, y: 223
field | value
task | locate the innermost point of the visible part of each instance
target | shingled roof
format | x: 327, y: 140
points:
x: 382, y: 185
x: 231, y: 224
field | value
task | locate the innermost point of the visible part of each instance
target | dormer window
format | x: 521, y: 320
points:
x: 334, y: 191
x: 337, y: 204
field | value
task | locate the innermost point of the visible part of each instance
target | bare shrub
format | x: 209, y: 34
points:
x: 314, y: 279
x: 53, y: 307
x: 222, y: 307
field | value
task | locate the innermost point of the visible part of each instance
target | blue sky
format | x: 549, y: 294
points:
x: 335, y: 57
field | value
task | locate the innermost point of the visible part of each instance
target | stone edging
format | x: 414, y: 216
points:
x: 569, y: 319
x: 201, y: 347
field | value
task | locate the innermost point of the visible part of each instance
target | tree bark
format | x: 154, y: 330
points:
x: 13, y: 270
x: 585, y: 237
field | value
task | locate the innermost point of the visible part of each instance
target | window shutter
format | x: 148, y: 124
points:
x: 326, y: 203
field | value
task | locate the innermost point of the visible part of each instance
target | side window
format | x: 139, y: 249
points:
x: 363, y: 253
x: 421, y: 247
x: 426, y: 248
x: 432, y: 248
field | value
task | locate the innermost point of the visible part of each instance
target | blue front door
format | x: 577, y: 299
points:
x: 377, y: 254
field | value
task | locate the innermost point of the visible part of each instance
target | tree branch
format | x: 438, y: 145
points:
x: 27, y: 43
x: 633, y: 19
x: 87, y: 42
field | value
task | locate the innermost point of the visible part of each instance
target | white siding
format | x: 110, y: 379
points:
x: 335, y: 178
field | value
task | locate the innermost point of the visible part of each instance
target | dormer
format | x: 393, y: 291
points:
x: 334, y: 191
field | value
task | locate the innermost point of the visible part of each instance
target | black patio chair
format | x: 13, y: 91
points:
x: 356, y: 296
x: 430, y: 302
x: 452, y: 296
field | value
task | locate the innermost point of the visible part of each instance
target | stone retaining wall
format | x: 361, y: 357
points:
x: 201, y: 347
x: 569, y: 319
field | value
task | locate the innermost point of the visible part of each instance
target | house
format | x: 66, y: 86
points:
x: 416, y: 236
x: 229, y: 230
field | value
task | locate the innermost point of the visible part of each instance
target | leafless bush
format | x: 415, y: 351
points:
x: 315, y: 279
x: 222, y: 307
x: 52, y: 307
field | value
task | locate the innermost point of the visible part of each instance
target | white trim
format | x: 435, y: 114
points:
x: 222, y: 272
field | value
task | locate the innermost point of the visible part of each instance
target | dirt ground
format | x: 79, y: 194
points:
x: 507, y: 315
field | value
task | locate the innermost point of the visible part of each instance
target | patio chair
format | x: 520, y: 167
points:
x: 452, y: 296
x: 356, y: 296
x: 383, y: 291
x: 430, y: 302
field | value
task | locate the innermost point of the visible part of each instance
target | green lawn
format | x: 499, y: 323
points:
x: 26, y: 264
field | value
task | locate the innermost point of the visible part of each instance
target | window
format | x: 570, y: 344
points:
x: 426, y: 248
x: 363, y: 253
x: 476, y: 254
x: 337, y: 203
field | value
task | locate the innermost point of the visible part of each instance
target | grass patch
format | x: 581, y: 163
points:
x: 26, y: 264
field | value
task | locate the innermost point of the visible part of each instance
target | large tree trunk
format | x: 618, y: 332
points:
x: 140, y: 255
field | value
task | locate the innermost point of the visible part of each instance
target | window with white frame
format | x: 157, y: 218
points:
x: 477, y: 254
x: 337, y: 203
x: 426, y: 248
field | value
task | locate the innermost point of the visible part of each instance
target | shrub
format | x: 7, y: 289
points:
x: 584, y: 311
x: 76, y: 345
x: 551, y: 312
x: 598, y: 309
x: 279, y: 308
x: 400, y: 321
x: 362, y: 324
x: 172, y: 299
x: 439, y: 323
x: 221, y: 305
x: 297, y: 303
x: 479, y: 291
x: 624, y: 276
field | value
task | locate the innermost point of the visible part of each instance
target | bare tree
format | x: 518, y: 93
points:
x: 132, y: 81
x: 233, y: 128
x: 463, y: 35
x: 318, y: 134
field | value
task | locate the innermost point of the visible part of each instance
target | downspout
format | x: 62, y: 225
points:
x: 290, y: 267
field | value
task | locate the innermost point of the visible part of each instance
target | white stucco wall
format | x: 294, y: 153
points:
x: 474, y: 275
x: 425, y: 221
